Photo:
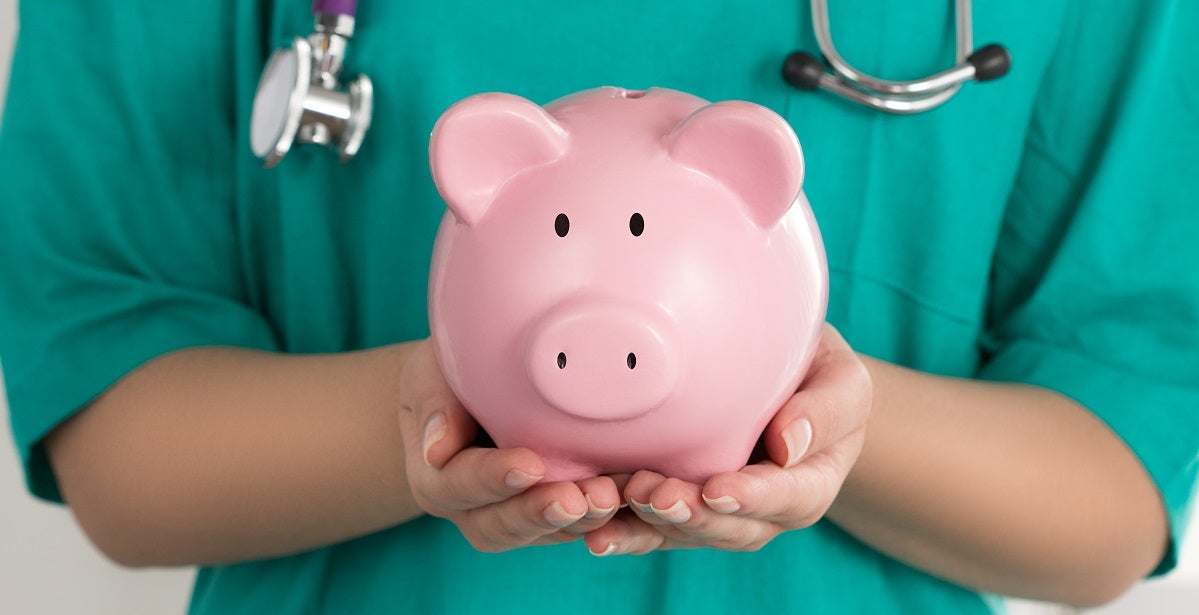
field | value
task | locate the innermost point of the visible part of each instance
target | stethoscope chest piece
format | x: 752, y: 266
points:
x: 300, y: 97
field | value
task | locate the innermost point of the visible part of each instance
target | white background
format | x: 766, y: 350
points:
x: 47, y: 565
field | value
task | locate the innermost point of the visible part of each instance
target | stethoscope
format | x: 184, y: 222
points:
x: 300, y: 96
x: 807, y: 73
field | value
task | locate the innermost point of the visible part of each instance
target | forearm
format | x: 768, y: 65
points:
x: 219, y: 454
x: 1005, y: 488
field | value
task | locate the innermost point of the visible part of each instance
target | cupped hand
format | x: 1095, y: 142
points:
x: 495, y: 496
x: 811, y: 444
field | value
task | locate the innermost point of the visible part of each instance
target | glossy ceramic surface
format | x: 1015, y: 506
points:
x: 624, y: 280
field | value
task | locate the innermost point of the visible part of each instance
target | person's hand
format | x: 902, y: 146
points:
x: 494, y: 496
x: 811, y: 444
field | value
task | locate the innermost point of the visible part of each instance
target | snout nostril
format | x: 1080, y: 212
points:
x: 561, y: 360
x: 631, y: 360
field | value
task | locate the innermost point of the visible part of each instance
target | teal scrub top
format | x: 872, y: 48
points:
x: 1039, y: 229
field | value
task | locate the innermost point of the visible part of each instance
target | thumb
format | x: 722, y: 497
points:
x: 434, y: 423
x: 833, y: 402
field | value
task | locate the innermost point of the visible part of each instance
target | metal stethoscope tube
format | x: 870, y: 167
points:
x: 804, y: 71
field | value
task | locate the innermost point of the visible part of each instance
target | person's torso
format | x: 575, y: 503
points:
x: 337, y: 257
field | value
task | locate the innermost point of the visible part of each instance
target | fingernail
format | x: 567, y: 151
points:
x: 798, y: 437
x: 515, y: 479
x: 645, y: 508
x: 679, y: 512
x: 608, y: 550
x: 557, y: 516
x: 593, y: 511
x: 434, y: 432
x: 725, y: 504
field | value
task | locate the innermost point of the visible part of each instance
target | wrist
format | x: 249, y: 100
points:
x: 855, y: 491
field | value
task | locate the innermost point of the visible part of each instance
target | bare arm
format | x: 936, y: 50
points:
x: 216, y: 455
x: 1007, y: 488
x: 219, y: 454
x: 1004, y: 488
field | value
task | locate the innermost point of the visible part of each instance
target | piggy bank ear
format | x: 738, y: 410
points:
x: 749, y: 149
x: 486, y: 140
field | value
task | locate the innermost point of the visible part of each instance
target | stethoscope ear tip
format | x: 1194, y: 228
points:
x: 803, y: 70
x: 990, y: 62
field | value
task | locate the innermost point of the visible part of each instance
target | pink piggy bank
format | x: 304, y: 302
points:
x: 624, y: 280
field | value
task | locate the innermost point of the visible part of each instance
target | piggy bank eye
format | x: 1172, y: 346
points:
x: 562, y: 225
x: 637, y: 225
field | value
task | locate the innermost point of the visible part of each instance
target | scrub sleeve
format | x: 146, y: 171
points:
x: 1095, y: 290
x: 115, y: 240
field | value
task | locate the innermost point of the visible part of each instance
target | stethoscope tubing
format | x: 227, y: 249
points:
x: 901, y: 97
x: 348, y: 8
x: 960, y: 73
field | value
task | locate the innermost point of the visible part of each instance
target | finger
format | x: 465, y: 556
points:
x: 790, y: 498
x: 603, y: 500
x: 556, y: 538
x: 638, y: 492
x: 833, y: 402
x: 603, y: 495
x: 676, y: 510
x: 693, y: 522
x: 675, y: 502
x: 477, y: 477
x: 625, y: 534
x: 538, y: 513
x: 621, y: 480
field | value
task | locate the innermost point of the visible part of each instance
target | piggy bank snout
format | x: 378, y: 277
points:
x: 601, y: 360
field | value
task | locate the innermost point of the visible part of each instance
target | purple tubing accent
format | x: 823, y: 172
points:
x: 335, y: 7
